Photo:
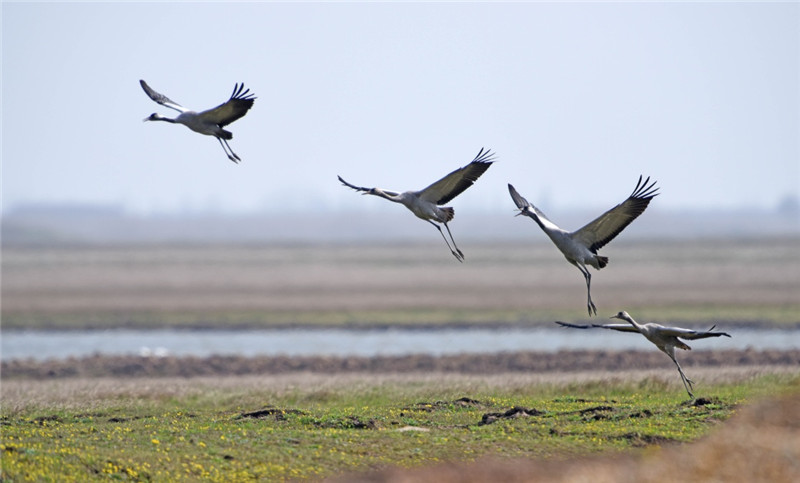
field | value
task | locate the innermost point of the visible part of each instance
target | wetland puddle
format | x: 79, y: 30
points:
x: 348, y: 342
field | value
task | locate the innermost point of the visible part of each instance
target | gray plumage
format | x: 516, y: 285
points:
x: 209, y: 122
x: 426, y: 203
x: 580, y: 247
x: 665, y: 338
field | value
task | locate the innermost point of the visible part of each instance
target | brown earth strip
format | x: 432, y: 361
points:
x: 511, y: 362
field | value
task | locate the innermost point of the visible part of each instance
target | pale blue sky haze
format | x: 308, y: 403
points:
x: 576, y: 99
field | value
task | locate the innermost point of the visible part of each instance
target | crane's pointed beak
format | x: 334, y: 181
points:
x: 146, y: 119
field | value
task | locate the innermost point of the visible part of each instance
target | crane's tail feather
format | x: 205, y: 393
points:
x: 448, y: 212
x: 601, y: 261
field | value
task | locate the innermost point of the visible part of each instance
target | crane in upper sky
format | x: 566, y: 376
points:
x: 580, y: 247
x: 209, y: 122
x: 665, y: 338
x: 426, y: 203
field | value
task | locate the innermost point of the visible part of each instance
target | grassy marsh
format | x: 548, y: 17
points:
x: 305, y: 428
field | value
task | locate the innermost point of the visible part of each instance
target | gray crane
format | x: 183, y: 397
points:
x: 209, y: 122
x: 580, y: 247
x: 426, y: 203
x: 665, y: 338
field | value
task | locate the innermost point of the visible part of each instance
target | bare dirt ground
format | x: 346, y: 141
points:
x: 563, y: 362
x: 757, y: 278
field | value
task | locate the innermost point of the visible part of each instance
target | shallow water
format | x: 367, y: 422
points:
x: 344, y: 342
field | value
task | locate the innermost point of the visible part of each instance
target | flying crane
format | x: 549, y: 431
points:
x: 665, y: 338
x: 580, y: 247
x: 426, y: 203
x: 209, y: 122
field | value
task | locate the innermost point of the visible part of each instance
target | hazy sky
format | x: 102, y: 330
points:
x: 576, y: 99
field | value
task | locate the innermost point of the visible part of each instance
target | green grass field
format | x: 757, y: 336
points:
x: 129, y: 431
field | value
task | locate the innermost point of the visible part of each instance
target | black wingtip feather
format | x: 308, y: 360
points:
x: 485, y: 156
x: 643, y: 191
x: 242, y: 94
x: 352, y: 186
x: 469, y: 175
x: 571, y: 326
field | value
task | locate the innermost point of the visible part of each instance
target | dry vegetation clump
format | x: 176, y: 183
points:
x: 762, y: 443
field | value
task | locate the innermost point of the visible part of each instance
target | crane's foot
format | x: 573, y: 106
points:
x: 688, y: 384
x: 234, y: 159
x: 592, y: 309
x: 459, y: 256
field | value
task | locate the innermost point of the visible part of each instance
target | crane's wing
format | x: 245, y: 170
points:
x: 608, y: 225
x: 234, y: 108
x: 619, y: 327
x: 456, y: 182
x: 690, y: 334
x: 527, y: 209
x: 365, y: 190
x: 161, y: 98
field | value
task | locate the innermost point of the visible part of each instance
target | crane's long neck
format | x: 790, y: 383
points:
x: 159, y: 117
x: 532, y: 214
x: 546, y: 225
x: 630, y: 320
x: 388, y: 196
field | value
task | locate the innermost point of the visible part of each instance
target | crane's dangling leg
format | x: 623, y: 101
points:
x: 687, y: 383
x: 458, y: 255
x: 231, y: 155
x: 231, y: 150
x: 588, y: 276
x: 454, y: 241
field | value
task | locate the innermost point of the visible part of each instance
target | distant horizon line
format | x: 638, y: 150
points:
x: 789, y: 206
